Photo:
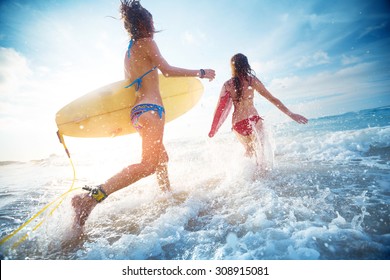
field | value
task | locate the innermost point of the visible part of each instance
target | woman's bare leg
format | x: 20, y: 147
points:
x: 253, y: 143
x: 162, y: 171
x: 246, y: 141
x: 152, y: 148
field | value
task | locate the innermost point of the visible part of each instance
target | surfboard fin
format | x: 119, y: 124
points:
x: 62, y: 141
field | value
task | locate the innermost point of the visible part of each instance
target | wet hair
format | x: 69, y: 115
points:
x: 240, y: 70
x: 138, y: 21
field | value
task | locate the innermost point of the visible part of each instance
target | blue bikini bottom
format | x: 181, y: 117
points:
x: 138, y: 110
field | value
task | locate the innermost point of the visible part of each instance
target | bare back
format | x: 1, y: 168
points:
x: 139, y: 63
x: 243, y: 107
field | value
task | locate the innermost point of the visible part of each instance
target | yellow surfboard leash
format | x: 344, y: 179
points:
x: 59, y: 201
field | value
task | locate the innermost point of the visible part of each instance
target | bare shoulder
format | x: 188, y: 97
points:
x: 149, y: 47
x: 257, y: 84
x: 256, y: 81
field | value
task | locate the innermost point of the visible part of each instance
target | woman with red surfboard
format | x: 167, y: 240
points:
x: 239, y: 91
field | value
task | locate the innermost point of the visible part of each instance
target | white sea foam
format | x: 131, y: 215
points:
x: 340, y: 146
x: 327, y: 197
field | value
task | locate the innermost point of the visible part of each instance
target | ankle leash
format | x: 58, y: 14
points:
x: 96, y: 192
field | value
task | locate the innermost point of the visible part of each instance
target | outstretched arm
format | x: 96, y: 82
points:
x: 172, y: 71
x: 264, y: 92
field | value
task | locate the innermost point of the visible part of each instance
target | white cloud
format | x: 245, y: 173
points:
x: 264, y: 68
x: 14, y: 69
x: 371, y: 29
x: 352, y: 80
x: 317, y: 58
x: 346, y: 60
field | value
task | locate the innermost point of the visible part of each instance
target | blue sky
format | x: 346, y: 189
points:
x: 319, y: 57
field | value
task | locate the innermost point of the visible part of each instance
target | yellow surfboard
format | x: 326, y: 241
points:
x: 105, y: 112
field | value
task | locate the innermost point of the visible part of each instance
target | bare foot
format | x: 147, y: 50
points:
x: 83, y: 205
x: 72, y: 239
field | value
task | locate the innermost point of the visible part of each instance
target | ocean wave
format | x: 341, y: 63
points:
x: 326, y: 198
x: 337, y: 146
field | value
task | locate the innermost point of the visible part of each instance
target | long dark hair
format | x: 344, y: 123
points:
x: 241, y: 70
x: 137, y: 20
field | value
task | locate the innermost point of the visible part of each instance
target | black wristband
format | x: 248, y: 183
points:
x: 202, y: 73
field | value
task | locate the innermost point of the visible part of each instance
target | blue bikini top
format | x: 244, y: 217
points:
x: 137, y: 82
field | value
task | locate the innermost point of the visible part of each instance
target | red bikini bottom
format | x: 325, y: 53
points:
x: 245, y: 127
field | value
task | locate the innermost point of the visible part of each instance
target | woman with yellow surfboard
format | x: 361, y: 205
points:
x: 142, y: 60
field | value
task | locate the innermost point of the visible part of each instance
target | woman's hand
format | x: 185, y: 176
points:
x: 208, y: 74
x: 299, y: 119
